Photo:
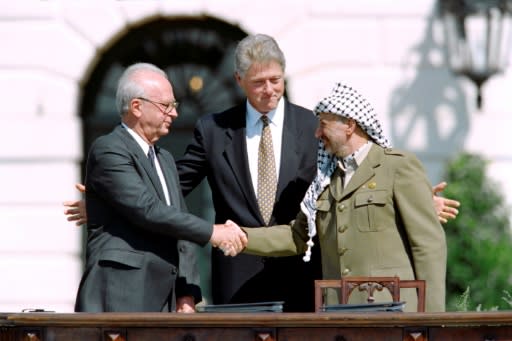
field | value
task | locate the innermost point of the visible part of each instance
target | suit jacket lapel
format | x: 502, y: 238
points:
x: 141, y: 158
x: 170, y: 175
x: 236, y: 156
x: 289, y: 149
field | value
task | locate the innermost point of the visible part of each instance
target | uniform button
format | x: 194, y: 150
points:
x: 342, y: 251
x: 174, y: 272
x: 345, y: 272
x: 341, y: 207
x: 342, y: 229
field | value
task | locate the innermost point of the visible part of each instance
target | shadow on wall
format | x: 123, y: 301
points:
x: 428, y: 111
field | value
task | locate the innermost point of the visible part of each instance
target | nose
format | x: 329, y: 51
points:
x: 267, y: 87
x: 173, y: 113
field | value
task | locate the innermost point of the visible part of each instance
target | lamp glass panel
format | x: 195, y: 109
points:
x: 456, y: 46
x: 476, y: 38
x: 506, y: 41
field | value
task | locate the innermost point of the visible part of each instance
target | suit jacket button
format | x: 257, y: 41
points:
x: 342, y: 229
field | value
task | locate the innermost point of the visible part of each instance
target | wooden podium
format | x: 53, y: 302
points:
x: 392, y: 326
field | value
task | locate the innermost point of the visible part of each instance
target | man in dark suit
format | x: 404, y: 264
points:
x: 224, y: 149
x: 136, y: 211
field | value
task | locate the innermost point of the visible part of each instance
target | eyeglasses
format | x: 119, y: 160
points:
x: 168, y: 106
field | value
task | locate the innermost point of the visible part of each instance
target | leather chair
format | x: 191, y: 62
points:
x: 369, y: 284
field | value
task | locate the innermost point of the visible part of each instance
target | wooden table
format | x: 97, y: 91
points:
x: 484, y: 326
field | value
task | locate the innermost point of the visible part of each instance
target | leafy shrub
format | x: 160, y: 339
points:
x: 479, y: 239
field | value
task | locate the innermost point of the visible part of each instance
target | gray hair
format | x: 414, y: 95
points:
x: 129, y: 86
x: 258, y: 48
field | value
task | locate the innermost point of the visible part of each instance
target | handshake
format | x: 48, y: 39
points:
x: 229, y: 238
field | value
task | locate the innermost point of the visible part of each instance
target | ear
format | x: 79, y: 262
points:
x: 351, y: 126
x: 238, y: 78
x: 135, y: 107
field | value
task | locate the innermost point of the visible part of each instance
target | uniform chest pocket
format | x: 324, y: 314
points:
x: 369, y: 210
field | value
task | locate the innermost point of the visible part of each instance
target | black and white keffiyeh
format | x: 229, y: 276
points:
x: 347, y: 102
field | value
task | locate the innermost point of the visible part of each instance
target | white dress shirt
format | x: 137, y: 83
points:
x: 253, y: 134
x: 145, y: 147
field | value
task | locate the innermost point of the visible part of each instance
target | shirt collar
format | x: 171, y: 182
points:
x: 353, y: 161
x: 254, y: 115
x: 140, y: 141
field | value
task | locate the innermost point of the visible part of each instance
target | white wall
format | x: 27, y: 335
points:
x: 391, y: 50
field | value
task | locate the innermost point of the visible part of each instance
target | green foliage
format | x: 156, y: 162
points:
x: 462, y: 303
x: 507, y: 298
x: 479, y: 240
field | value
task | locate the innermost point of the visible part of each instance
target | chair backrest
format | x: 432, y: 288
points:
x: 369, y: 284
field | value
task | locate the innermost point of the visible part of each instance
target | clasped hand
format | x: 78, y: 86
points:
x: 229, y: 238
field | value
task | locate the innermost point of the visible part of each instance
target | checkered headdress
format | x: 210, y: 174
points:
x: 347, y: 102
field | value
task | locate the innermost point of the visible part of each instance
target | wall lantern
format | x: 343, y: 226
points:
x: 478, y: 36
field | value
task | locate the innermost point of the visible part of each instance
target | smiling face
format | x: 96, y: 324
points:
x: 335, y: 132
x: 263, y: 84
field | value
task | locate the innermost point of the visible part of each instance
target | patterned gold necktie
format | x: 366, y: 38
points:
x: 267, y: 179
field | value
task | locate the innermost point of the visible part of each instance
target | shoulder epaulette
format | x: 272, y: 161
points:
x: 393, y: 151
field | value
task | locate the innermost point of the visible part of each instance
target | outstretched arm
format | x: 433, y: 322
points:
x: 445, y: 208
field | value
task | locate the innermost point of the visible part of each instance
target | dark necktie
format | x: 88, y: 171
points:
x: 267, y: 179
x: 151, y: 156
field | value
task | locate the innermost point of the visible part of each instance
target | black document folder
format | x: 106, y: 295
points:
x: 366, y: 307
x: 272, y: 307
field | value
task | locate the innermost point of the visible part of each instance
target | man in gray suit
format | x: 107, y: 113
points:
x: 136, y: 212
